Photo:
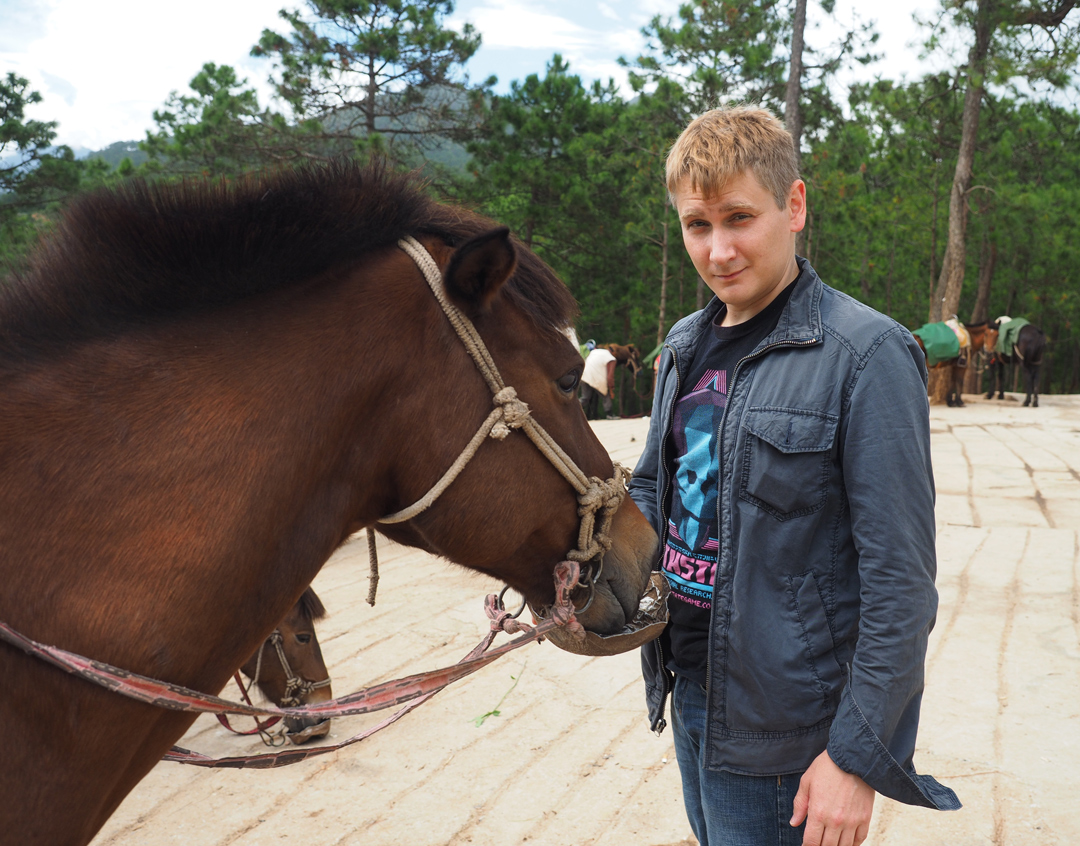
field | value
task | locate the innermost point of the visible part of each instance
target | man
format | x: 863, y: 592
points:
x: 802, y: 573
x: 598, y: 382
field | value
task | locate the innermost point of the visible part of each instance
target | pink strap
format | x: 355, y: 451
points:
x: 418, y: 687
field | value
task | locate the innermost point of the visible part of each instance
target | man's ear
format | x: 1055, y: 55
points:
x: 797, y: 205
x: 479, y: 267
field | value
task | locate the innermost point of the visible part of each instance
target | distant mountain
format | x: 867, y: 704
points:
x: 117, y: 152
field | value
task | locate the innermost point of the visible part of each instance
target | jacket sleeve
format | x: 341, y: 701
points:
x: 885, y: 455
x: 643, y: 484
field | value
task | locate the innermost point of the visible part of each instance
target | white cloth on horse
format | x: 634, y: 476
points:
x: 961, y: 333
x: 595, y: 373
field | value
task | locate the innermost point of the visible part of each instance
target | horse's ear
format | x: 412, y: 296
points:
x: 479, y: 267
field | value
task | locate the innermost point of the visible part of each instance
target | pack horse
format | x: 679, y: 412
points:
x: 1012, y: 340
x: 208, y: 387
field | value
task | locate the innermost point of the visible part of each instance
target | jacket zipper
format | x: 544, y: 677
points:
x: 665, y: 688
x: 720, y: 499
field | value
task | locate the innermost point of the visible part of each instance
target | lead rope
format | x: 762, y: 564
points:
x: 594, y: 494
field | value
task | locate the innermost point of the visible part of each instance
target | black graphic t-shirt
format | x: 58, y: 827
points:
x: 693, y: 549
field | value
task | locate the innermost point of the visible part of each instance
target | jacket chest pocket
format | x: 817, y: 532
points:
x: 787, y: 460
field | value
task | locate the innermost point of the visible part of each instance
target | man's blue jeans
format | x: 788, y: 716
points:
x: 726, y: 809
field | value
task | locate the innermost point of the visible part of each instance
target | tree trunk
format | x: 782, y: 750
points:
x: 864, y: 275
x: 951, y: 282
x: 937, y: 387
x: 979, y: 314
x: 933, y: 248
x: 892, y: 263
x: 793, y: 95
x: 981, y: 310
x: 660, y: 328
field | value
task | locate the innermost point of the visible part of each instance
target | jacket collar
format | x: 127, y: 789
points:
x: 800, y: 321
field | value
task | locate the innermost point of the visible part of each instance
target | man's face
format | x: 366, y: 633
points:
x: 741, y: 244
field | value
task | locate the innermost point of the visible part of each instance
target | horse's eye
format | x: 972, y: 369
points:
x: 568, y: 381
x: 303, y: 638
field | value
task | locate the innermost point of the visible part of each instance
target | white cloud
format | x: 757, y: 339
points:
x: 60, y: 87
x: 516, y: 24
x: 608, y: 12
x: 122, y: 58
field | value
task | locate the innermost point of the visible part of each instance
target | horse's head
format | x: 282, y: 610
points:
x: 288, y: 667
x: 511, y: 513
x: 990, y: 339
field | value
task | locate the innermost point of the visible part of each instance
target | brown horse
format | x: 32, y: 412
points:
x: 627, y: 355
x: 288, y: 668
x: 955, y: 369
x: 207, y: 387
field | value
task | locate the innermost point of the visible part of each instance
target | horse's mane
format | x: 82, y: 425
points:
x: 311, y: 606
x: 145, y: 253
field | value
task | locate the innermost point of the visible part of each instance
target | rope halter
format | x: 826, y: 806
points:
x: 598, y: 500
x: 297, y: 688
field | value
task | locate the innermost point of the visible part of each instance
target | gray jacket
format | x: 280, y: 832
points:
x: 824, y: 595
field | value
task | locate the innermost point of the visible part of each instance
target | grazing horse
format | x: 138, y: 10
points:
x: 627, y: 355
x: 1027, y: 348
x: 207, y: 387
x: 288, y: 668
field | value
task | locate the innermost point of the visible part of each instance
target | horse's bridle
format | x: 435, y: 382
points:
x: 595, y: 496
x: 297, y: 687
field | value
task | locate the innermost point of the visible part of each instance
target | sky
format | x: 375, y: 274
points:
x: 103, y: 67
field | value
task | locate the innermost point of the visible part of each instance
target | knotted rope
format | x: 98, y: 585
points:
x: 598, y: 500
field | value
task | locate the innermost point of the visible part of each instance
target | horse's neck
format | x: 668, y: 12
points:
x: 200, y: 468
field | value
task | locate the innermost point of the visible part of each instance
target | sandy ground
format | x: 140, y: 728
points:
x: 550, y: 748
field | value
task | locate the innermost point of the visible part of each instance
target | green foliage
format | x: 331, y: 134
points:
x: 31, y: 169
x: 718, y: 51
x: 577, y: 170
x: 739, y: 50
x: 35, y: 176
x: 571, y: 169
x: 221, y: 129
x: 381, y: 75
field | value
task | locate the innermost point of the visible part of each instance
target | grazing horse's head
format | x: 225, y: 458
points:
x: 288, y: 667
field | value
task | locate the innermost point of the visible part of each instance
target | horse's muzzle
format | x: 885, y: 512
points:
x: 301, y: 729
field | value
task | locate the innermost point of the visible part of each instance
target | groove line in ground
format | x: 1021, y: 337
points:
x: 999, y: 791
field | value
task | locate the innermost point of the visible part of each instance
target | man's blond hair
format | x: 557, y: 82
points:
x: 723, y: 143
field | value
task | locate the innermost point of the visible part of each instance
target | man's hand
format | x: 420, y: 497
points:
x: 837, y: 806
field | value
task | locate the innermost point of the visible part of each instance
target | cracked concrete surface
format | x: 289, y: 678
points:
x: 568, y: 757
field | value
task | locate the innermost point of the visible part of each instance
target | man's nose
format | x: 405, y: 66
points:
x: 721, y: 247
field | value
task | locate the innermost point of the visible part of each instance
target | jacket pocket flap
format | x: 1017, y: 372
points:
x: 792, y: 430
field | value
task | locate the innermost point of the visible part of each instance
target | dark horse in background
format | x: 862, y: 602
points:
x: 206, y: 388
x: 1027, y: 350
x: 289, y: 669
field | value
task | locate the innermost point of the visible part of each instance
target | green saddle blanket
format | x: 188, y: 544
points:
x: 939, y: 341
x: 1007, y: 337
